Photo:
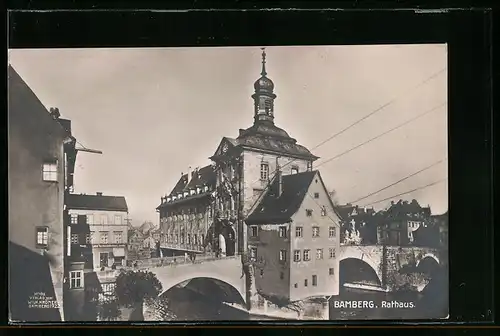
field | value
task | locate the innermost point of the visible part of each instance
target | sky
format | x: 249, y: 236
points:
x: 154, y: 112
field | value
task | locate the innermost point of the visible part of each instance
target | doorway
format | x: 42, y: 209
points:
x: 103, y: 257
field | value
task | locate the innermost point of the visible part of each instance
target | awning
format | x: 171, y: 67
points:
x: 119, y: 252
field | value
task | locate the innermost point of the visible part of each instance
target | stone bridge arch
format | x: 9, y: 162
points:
x: 431, y: 255
x: 224, y: 272
x: 370, y: 256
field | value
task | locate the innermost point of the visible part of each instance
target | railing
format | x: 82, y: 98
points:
x: 180, y: 246
x: 176, y: 261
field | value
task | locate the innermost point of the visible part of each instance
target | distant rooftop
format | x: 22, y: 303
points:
x: 96, y: 202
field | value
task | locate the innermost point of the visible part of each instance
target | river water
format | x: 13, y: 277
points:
x: 187, y: 305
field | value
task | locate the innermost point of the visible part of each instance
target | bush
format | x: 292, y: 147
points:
x: 108, y: 310
x: 134, y: 287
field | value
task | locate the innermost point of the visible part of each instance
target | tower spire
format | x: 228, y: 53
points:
x: 264, y: 95
x: 263, y: 72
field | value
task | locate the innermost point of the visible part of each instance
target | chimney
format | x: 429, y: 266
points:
x: 190, y: 175
x: 98, y: 193
x: 279, y: 176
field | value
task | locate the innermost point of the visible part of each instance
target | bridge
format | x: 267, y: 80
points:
x: 206, y: 274
x: 392, y: 266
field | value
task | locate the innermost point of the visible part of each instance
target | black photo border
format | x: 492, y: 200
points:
x: 468, y: 34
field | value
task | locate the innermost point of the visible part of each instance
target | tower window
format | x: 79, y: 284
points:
x: 309, y: 165
x: 309, y: 212
x: 282, y: 231
x: 295, y: 170
x: 264, y: 171
x: 254, y: 231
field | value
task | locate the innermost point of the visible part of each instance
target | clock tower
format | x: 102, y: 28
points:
x: 264, y: 96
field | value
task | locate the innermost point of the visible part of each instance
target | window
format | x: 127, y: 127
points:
x: 282, y: 275
x: 74, y: 238
x: 118, y: 237
x: 42, y: 236
x: 332, y: 253
x: 118, y: 219
x: 296, y: 285
x: 90, y: 219
x: 331, y: 271
x: 296, y: 255
x: 108, y: 288
x: 282, y: 255
x: 282, y: 231
x: 261, y: 272
x: 295, y: 170
x: 254, y: 231
x: 88, y: 238
x: 104, y: 219
x: 315, y: 231
x: 195, y: 237
x: 309, y: 212
x: 316, y: 195
x: 332, y: 231
x: 189, y: 238
x: 306, y: 255
x: 319, y: 254
x: 50, y: 171
x: 264, y: 171
x: 305, y: 282
x: 104, y: 237
x: 92, y: 237
x: 323, y: 211
x: 253, y: 252
x: 75, y: 279
x: 74, y: 219
x: 298, y: 231
x: 314, y: 280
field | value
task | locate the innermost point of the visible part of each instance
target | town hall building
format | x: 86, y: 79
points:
x: 209, y: 209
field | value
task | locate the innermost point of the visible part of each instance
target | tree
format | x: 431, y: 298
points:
x: 133, y: 288
x: 108, y: 310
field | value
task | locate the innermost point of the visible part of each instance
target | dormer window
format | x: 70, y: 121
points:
x: 198, y: 190
x: 206, y: 188
x: 193, y: 191
x: 179, y: 195
x: 169, y: 199
x: 186, y: 193
x: 295, y: 170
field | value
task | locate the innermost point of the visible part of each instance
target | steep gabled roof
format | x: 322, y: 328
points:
x: 279, y: 210
x: 96, y: 202
x: 203, y: 176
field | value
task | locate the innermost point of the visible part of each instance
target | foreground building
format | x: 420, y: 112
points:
x: 207, y: 208
x: 293, y: 238
x: 41, y: 157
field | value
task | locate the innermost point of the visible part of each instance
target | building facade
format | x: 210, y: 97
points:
x: 402, y: 222
x: 41, y: 156
x: 293, y: 237
x: 98, y: 229
x: 206, y: 210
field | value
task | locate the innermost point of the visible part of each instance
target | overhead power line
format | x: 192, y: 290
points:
x: 407, y: 192
x: 380, y: 108
x: 382, y: 134
x: 368, y: 115
x: 399, y: 181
